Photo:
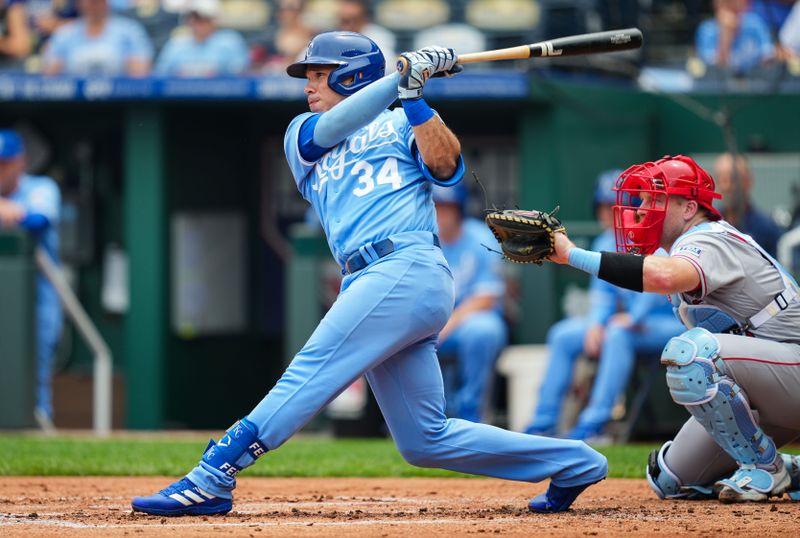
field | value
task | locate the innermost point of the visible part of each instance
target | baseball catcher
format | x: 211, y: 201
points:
x: 736, y: 369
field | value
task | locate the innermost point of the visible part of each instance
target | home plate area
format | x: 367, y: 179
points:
x: 100, y: 506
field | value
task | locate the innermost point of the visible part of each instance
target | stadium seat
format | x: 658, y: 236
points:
x: 460, y: 37
x: 409, y: 15
x: 503, y: 15
x: 320, y: 15
x: 244, y: 15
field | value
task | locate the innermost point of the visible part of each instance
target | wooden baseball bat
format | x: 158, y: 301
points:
x: 576, y: 45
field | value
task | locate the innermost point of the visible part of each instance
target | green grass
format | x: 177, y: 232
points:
x: 83, y: 456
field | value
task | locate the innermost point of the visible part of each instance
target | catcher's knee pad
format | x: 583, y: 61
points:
x: 240, y: 447
x: 697, y: 379
x: 666, y: 483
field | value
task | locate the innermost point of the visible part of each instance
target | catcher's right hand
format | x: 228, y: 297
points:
x: 525, y: 236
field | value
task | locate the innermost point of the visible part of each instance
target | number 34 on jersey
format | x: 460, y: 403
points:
x: 367, y: 178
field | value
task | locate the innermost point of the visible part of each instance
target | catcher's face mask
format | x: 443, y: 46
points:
x: 643, y: 193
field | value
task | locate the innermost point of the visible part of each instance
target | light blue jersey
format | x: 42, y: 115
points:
x: 366, y: 188
x: 476, y: 270
x: 120, y: 41
x: 223, y: 53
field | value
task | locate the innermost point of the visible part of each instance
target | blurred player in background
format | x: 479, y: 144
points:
x: 98, y: 43
x: 736, y: 369
x: 734, y: 183
x: 619, y: 325
x: 367, y: 172
x: 476, y: 331
x: 33, y: 203
x: 207, y: 50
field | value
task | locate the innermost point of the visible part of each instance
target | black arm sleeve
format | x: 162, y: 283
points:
x: 623, y: 270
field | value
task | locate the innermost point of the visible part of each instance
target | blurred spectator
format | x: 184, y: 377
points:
x: 620, y: 324
x: 736, y: 206
x: 15, y: 42
x: 355, y: 16
x: 99, y: 43
x: 734, y: 38
x: 33, y: 203
x: 790, y: 32
x: 207, y: 51
x: 289, y: 40
x: 476, y: 331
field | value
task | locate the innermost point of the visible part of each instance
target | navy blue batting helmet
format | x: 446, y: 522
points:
x: 356, y: 56
x: 457, y: 194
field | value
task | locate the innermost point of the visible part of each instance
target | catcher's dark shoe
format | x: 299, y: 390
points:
x: 182, y: 498
x: 556, y: 498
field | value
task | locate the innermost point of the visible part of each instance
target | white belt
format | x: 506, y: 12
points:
x: 780, y: 303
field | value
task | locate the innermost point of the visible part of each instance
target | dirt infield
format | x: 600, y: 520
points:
x: 91, y: 506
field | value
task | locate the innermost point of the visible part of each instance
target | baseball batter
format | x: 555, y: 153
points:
x: 367, y: 172
x: 737, y: 367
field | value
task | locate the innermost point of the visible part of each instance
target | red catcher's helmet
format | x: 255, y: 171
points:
x: 643, y: 192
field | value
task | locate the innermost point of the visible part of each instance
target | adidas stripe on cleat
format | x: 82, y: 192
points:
x: 182, y: 498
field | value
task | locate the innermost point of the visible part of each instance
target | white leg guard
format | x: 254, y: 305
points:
x: 697, y: 380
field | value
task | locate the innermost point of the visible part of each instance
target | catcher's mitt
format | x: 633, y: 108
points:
x: 525, y: 236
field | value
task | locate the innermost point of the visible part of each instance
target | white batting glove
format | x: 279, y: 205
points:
x: 442, y: 59
x: 421, y: 65
x: 418, y: 69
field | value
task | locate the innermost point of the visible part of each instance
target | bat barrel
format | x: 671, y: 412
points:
x: 598, y: 42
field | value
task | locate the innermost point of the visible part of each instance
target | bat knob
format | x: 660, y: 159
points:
x: 402, y: 65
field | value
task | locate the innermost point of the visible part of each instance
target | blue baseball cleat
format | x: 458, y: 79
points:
x: 182, y: 498
x: 556, y: 498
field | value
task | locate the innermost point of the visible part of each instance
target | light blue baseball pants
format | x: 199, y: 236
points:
x: 385, y: 323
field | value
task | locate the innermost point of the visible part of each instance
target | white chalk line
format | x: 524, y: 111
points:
x: 6, y: 520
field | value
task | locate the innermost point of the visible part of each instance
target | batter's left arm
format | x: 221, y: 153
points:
x: 438, y: 147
